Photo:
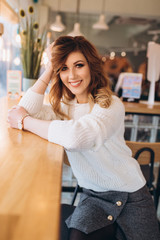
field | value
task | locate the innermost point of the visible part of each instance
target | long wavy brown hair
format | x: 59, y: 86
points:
x: 99, y: 88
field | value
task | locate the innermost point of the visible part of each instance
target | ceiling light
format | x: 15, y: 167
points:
x: 123, y: 54
x: 76, y: 30
x: 101, y: 23
x: 58, y: 26
x: 112, y: 54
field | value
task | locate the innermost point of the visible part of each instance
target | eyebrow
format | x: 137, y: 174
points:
x: 79, y: 61
x: 76, y: 62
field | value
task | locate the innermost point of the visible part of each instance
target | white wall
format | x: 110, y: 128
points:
x: 139, y: 8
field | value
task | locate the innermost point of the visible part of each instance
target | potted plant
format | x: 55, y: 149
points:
x: 32, y: 46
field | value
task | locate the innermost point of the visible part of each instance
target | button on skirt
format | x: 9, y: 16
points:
x: 134, y: 214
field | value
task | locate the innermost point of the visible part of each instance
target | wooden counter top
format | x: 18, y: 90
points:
x: 30, y: 183
x: 142, y: 108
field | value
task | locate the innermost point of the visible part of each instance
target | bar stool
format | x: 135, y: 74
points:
x: 147, y: 154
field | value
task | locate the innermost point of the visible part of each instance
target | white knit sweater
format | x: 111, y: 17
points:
x: 94, y: 143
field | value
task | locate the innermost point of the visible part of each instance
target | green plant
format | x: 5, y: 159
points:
x: 32, y: 43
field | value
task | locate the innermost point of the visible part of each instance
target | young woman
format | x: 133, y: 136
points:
x: 87, y: 119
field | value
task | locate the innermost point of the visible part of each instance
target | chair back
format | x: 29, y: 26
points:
x: 144, y: 157
x: 147, y: 153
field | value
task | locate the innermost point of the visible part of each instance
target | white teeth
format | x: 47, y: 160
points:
x: 75, y: 83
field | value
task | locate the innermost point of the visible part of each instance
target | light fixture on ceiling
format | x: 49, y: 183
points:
x: 101, y: 24
x: 123, y: 54
x: 76, y: 29
x: 58, y: 26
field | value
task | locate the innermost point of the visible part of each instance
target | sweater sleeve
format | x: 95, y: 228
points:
x: 91, y: 130
x: 33, y: 103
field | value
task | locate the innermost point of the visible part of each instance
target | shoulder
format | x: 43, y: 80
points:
x: 116, y: 107
x: 116, y: 99
x: 117, y: 102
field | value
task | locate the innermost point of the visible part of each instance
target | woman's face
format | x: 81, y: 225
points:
x: 75, y: 75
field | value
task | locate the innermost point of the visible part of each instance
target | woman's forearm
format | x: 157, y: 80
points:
x: 43, y: 81
x: 36, y: 126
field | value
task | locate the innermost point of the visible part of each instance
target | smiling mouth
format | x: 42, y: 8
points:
x: 75, y: 84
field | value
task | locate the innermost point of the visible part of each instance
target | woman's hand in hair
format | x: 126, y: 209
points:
x: 49, y: 51
x: 43, y: 81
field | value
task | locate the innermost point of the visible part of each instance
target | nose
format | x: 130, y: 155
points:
x: 72, y: 73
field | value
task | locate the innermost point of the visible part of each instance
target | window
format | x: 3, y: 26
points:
x: 9, y: 54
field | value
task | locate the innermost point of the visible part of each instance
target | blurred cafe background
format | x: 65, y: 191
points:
x: 121, y: 37
x: 121, y: 30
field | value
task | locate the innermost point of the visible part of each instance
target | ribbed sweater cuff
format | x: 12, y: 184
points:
x: 32, y: 101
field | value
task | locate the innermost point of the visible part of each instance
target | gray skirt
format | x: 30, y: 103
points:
x: 134, y: 214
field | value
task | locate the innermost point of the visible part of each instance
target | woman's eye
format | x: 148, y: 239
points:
x: 64, y: 68
x: 79, y: 65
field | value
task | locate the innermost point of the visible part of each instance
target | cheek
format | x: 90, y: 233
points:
x: 87, y: 74
x: 63, y: 78
x: 88, y: 78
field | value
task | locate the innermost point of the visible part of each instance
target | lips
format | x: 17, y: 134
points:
x: 75, y: 83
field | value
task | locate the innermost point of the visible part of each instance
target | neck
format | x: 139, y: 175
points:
x: 81, y: 101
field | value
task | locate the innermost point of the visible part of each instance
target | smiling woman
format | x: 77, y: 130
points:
x: 78, y: 60
x: 88, y: 121
x: 75, y: 75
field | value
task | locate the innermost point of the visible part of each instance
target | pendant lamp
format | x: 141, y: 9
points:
x: 58, y: 26
x: 76, y: 29
x: 101, y: 24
